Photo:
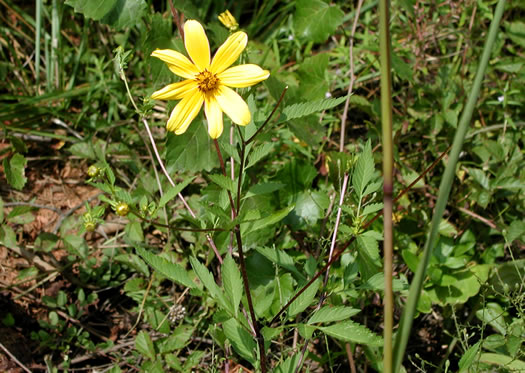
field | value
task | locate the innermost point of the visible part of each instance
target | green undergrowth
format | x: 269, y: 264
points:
x: 128, y: 279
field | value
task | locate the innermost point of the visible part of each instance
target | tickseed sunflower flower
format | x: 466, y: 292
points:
x: 207, y: 81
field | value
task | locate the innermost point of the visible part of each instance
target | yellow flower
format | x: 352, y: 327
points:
x: 207, y: 82
x: 228, y: 21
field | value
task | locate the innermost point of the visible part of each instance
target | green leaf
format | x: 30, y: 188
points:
x: 116, y: 13
x: 173, y: 271
x: 468, y: 357
x: 231, y: 280
x: 263, y: 188
x: 364, y: 170
x: 306, y: 108
x: 304, y: 300
x: 7, y: 236
x: 144, y: 345
x: 371, y: 208
x: 512, y: 364
x: 241, y: 340
x: 172, y: 192
x: 281, y: 258
x: 192, y: 151
x: 223, y: 181
x: 349, y: 331
x: 208, y: 281
x: 271, y: 219
x: 258, y: 153
x: 492, y: 314
x: 315, y: 20
x: 330, y: 314
x: 15, y: 171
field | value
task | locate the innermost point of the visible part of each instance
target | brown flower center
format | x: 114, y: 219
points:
x: 207, y: 81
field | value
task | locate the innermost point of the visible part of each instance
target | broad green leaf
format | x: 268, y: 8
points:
x: 469, y: 357
x: 330, y: 314
x: 492, y: 314
x: 14, y: 170
x: 134, y: 231
x: 315, y: 20
x: 304, y: 300
x: 241, y: 340
x: 271, y: 219
x: 116, y: 13
x: 258, y: 153
x: 289, y: 365
x: 349, y: 331
x: 232, y: 282
x: 173, y: 271
x: 281, y: 258
x: 306, y: 108
x: 512, y: 364
x: 192, y: 151
x: 172, y: 192
x: 363, y: 171
x: 223, y: 181
x: 144, y: 345
x: 208, y: 281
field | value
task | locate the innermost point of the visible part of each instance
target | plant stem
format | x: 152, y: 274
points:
x: 444, y: 191
x: 267, y: 119
x: 388, y: 181
x: 235, y: 211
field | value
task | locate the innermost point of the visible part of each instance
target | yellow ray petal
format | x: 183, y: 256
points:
x: 175, y: 91
x: 184, y: 113
x: 197, y: 44
x: 233, y: 105
x: 229, y: 52
x: 243, y: 76
x: 214, y: 116
x: 177, y: 62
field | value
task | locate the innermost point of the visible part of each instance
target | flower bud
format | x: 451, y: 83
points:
x: 122, y: 209
x: 228, y: 21
x: 93, y: 171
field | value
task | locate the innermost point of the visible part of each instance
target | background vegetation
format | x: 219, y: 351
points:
x: 86, y: 285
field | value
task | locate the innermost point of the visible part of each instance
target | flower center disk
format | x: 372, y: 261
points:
x: 207, y: 81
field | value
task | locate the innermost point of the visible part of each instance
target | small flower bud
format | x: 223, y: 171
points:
x: 89, y: 222
x: 229, y: 21
x: 122, y: 209
x: 93, y: 171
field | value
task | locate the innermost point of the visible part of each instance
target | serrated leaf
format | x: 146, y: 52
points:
x: 316, y: 20
x: 258, y: 153
x: 306, y: 108
x: 349, y: 331
x: 271, y: 219
x: 363, y: 171
x: 281, y: 258
x: 173, y: 271
x: 330, y: 314
x: 192, y: 151
x: 116, y: 13
x: 144, y: 345
x: 208, y: 281
x: 240, y: 339
x: 223, y: 181
x: 231, y: 280
x: 304, y: 300
x: 14, y: 170
x: 172, y: 192
x: 371, y: 208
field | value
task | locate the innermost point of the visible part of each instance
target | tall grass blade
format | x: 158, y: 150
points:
x: 444, y: 191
